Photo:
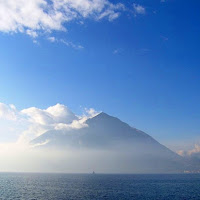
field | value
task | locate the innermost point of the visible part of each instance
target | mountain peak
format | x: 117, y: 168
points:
x: 104, y: 117
x: 102, y: 114
x: 108, y: 133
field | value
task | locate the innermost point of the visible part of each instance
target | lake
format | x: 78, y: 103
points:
x: 32, y: 186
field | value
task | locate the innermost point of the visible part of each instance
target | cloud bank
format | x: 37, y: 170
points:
x: 195, y: 152
x: 36, y: 121
x: 34, y: 17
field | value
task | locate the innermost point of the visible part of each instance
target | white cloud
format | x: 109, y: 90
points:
x: 76, y: 124
x: 8, y: 112
x: 91, y: 112
x: 138, y: 9
x: 31, y: 132
x: 35, y: 16
x: 34, y: 121
x: 32, y: 33
x: 71, y: 44
x: 67, y: 43
x: 54, y: 114
x: 193, y: 152
x: 52, y: 39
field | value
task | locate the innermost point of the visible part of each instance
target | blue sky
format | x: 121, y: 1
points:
x: 141, y: 66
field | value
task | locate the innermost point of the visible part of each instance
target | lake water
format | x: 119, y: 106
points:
x: 98, y: 187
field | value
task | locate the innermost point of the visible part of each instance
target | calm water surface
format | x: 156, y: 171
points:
x: 98, y: 187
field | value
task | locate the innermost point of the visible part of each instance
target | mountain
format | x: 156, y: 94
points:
x: 135, y: 150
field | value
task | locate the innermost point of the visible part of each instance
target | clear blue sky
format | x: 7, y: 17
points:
x: 142, y: 67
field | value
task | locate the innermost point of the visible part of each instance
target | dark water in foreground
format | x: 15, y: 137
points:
x: 98, y: 187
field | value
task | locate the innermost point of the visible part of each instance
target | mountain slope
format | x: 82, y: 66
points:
x: 102, y: 130
x: 135, y: 149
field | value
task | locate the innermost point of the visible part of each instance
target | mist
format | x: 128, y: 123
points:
x: 56, y: 140
x: 119, y: 158
x: 24, y: 158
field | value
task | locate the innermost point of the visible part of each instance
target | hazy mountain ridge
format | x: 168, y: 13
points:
x: 101, y: 126
x: 107, y: 133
